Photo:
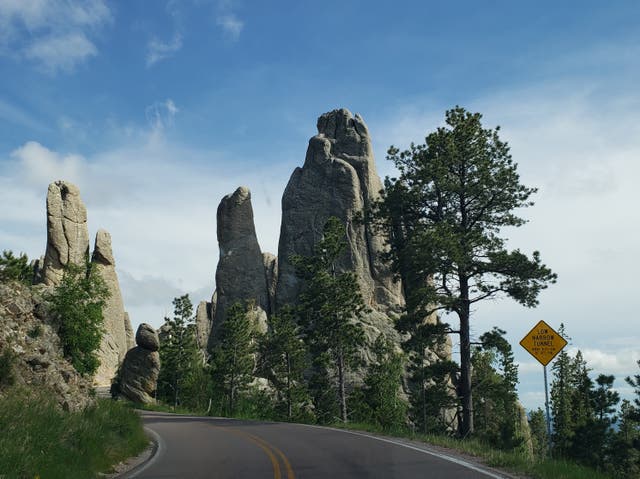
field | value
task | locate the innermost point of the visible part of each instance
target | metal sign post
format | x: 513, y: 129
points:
x: 544, y: 343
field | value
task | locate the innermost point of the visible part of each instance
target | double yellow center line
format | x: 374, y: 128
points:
x: 275, y: 455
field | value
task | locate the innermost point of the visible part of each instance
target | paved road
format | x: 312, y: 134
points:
x: 200, y: 447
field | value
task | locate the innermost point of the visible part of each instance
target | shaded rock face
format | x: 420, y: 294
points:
x: 114, y: 340
x: 141, y: 367
x: 338, y: 179
x: 147, y: 338
x: 240, y: 275
x: 271, y: 271
x: 67, y: 234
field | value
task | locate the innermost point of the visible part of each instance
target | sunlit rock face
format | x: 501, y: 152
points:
x: 67, y: 233
x: 339, y: 179
x: 114, y: 344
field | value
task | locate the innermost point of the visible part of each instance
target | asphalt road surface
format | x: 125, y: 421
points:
x: 203, y: 447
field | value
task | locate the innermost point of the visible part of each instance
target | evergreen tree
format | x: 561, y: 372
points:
x: 561, y: 400
x: 443, y: 216
x: 283, y: 361
x: 77, y: 304
x: 15, y: 268
x: 495, y: 376
x: 178, y: 351
x: 538, y: 427
x: 634, y: 382
x: 624, y: 451
x: 329, y: 308
x: 381, y: 402
x: 232, y: 358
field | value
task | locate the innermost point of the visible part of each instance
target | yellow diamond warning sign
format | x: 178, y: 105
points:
x: 543, y: 343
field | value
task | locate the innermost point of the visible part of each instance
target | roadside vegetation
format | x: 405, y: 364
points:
x: 38, y: 437
x: 40, y: 440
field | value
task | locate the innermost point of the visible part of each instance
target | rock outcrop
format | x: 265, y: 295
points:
x: 240, y: 275
x: 338, y: 179
x: 32, y: 351
x: 114, y: 340
x: 204, y: 314
x: 141, y: 367
x: 271, y: 272
x: 128, y: 328
x: 67, y: 234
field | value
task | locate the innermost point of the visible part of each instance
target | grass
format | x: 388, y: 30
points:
x: 40, y: 440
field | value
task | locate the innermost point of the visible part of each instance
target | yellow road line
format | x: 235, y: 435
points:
x: 268, y: 449
x: 287, y: 464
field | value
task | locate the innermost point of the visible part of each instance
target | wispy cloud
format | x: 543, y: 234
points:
x: 231, y: 25
x: 158, y: 50
x: 54, y: 34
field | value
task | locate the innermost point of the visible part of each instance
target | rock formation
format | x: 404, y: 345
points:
x: 141, y: 367
x: 338, y: 179
x: 203, y: 324
x: 240, y: 275
x: 271, y: 272
x: 114, y: 340
x: 128, y: 328
x: 67, y: 234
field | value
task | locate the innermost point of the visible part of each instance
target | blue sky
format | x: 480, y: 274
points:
x: 158, y: 109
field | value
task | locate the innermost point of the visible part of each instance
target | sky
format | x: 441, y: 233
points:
x: 156, y: 110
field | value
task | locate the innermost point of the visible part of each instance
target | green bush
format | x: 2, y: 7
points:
x: 39, y: 439
x: 77, y: 304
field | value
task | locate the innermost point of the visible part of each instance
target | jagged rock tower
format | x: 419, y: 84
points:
x: 118, y: 334
x: 240, y: 275
x: 339, y: 179
x: 67, y: 233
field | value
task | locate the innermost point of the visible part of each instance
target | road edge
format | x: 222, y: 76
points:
x: 135, y: 465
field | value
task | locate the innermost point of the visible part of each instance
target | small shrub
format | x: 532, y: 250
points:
x: 77, y: 304
x: 36, y: 331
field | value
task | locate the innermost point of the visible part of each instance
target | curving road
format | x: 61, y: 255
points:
x: 204, y: 447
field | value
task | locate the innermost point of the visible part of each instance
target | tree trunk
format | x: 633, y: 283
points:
x: 289, y: 414
x: 465, y: 361
x: 341, y: 392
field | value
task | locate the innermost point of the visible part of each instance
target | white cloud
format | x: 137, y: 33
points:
x: 158, y: 50
x: 160, y: 115
x: 54, y: 34
x: 231, y: 25
x: 621, y: 362
x: 157, y: 199
x: 61, y: 52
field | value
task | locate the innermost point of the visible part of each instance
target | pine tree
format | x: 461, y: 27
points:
x: 178, y: 351
x: 381, y: 400
x: 443, y: 216
x: 538, y: 427
x: 15, y: 268
x: 494, y: 386
x: 233, y: 356
x: 329, y: 308
x: 283, y: 361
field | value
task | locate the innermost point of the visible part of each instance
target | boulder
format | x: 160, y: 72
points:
x: 67, y: 234
x: 141, y: 367
x: 339, y: 179
x: 147, y: 337
x: 240, y: 275
x: 114, y: 340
